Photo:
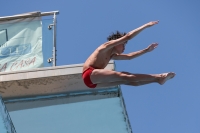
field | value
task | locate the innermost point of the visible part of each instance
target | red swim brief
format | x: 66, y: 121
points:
x: 86, y: 77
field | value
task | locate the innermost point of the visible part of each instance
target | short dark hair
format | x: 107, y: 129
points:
x: 116, y: 35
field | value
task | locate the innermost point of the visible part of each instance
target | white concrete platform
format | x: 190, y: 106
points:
x: 43, y: 81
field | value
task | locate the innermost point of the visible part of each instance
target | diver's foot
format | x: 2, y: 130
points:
x: 165, y: 76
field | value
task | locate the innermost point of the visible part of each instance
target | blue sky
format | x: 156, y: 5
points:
x: 83, y: 25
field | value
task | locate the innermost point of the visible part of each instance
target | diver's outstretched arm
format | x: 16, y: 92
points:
x: 128, y: 36
x: 135, y: 54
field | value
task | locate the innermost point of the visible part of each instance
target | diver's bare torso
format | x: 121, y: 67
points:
x: 98, y: 59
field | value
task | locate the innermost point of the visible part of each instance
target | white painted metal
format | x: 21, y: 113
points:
x: 54, y: 39
x: 28, y: 15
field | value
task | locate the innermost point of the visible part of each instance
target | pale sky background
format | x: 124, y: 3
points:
x: 83, y: 25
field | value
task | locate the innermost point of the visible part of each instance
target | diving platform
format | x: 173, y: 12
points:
x: 43, y: 81
x: 55, y: 99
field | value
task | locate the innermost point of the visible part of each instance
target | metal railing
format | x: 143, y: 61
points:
x: 39, y: 14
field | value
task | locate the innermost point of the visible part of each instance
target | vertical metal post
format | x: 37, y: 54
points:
x: 54, y: 40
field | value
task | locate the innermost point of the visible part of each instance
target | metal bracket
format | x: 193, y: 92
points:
x: 50, y: 26
x: 50, y: 60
